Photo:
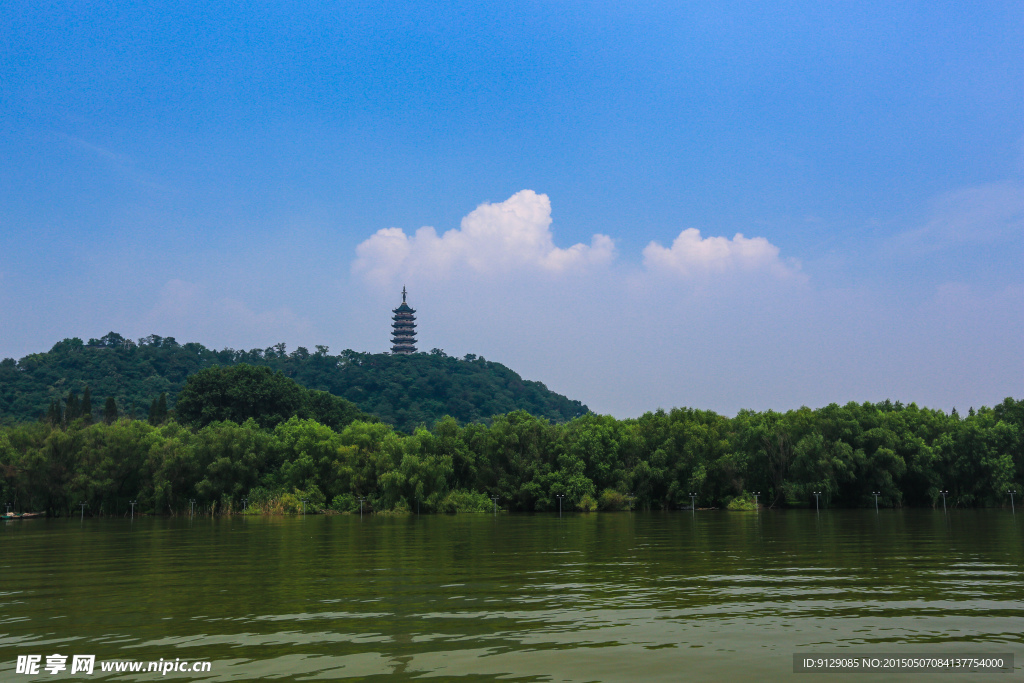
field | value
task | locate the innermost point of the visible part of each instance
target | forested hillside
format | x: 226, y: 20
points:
x: 404, y: 391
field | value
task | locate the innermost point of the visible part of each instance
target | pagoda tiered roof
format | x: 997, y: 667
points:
x: 403, y: 334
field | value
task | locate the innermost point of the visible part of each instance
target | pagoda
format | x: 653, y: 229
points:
x: 403, y: 330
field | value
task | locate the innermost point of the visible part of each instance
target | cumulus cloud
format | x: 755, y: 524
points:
x: 511, y: 235
x: 514, y: 236
x: 690, y: 254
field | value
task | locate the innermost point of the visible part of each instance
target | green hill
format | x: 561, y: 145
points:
x: 404, y: 391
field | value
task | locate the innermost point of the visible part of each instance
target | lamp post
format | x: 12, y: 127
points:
x: 304, y: 501
x: 361, y: 499
x: 875, y: 494
x: 495, y: 500
x: 83, y: 511
x: 560, y: 496
x: 245, y: 505
x: 757, y: 494
x: 943, y: 501
x: 629, y: 501
x: 1012, y: 508
x: 816, y: 507
x: 132, y: 503
x: 693, y: 503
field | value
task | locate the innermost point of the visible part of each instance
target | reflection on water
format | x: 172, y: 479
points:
x: 706, y: 596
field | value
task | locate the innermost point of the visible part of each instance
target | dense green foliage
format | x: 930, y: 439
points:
x: 404, y: 391
x: 909, y: 454
x: 243, y: 392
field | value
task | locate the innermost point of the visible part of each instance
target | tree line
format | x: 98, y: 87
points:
x: 278, y: 455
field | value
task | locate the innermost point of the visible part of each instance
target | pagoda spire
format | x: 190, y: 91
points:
x: 403, y: 329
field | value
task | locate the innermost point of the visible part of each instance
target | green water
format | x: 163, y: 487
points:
x: 609, y: 597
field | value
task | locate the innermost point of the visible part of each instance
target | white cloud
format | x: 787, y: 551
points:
x: 512, y: 235
x: 692, y: 255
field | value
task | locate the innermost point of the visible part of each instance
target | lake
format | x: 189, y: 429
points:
x: 711, y: 595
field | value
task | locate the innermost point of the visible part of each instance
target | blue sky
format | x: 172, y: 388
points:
x: 221, y: 174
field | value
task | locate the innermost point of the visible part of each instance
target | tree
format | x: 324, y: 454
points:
x: 110, y: 410
x: 161, y: 408
x: 779, y: 452
x: 158, y: 410
x: 245, y: 392
x: 53, y: 413
x: 237, y: 394
x: 87, y: 404
x: 73, y: 410
x: 333, y: 411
